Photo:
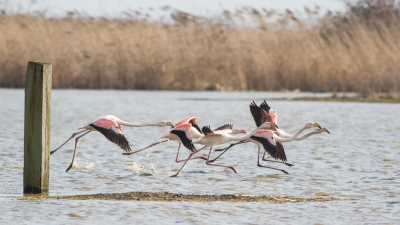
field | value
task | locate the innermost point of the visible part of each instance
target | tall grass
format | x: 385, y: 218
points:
x: 249, y: 49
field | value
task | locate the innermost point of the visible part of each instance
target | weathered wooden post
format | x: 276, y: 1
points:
x: 37, y: 128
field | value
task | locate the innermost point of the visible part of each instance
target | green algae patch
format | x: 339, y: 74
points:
x: 173, y: 197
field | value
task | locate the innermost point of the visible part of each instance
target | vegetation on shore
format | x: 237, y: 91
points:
x: 357, y: 50
x: 371, y: 98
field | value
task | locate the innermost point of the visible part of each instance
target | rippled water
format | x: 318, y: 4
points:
x: 359, y: 159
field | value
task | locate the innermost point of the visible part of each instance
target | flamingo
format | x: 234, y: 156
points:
x: 261, y: 114
x: 183, y: 132
x: 268, y: 139
x: 264, y: 113
x: 220, y: 136
x: 110, y: 127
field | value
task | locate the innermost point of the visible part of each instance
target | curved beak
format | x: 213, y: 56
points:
x: 317, y: 125
x: 327, y: 131
x: 170, y: 124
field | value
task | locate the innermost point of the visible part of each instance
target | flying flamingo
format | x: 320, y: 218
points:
x: 183, y: 132
x: 220, y: 136
x: 110, y: 127
x: 261, y: 114
x: 268, y: 139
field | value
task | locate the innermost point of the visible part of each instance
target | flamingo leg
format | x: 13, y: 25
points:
x: 130, y: 153
x: 76, y: 143
x: 186, y: 160
x: 231, y: 145
x: 263, y: 159
x: 200, y: 157
x: 208, y: 163
x: 226, y: 149
x: 259, y: 165
x: 73, y: 135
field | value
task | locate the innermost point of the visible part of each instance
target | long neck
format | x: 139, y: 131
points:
x: 283, y: 134
x: 295, y: 138
x: 136, y: 124
x: 287, y: 139
x: 307, y: 135
x: 242, y: 137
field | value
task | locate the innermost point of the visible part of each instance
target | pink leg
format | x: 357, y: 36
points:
x: 259, y: 165
x: 76, y: 143
x: 73, y: 135
x: 130, y: 153
x: 181, y: 160
x: 226, y: 149
x: 186, y: 160
x: 208, y: 163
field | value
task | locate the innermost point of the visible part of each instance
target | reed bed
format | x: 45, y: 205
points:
x: 250, y: 49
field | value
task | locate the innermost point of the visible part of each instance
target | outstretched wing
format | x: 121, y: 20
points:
x: 265, y: 106
x: 207, y: 130
x: 268, y: 146
x: 260, y: 115
x: 227, y: 128
x: 184, y: 139
x: 114, y: 135
x: 194, y: 124
x: 280, y: 152
x: 256, y: 113
x: 275, y: 149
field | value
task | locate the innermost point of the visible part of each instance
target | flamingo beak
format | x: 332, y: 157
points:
x: 327, y: 131
x: 317, y: 125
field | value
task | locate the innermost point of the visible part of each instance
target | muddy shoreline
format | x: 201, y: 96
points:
x: 172, y: 197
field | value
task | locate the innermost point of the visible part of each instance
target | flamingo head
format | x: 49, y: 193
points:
x: 324, y: 130
x: 165, y: 123
x: 238, y: 131
x: 312, y: 125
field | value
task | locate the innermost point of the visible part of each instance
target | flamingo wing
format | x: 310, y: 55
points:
x: 275, y: 149
x: 194, y: 124
x: 207, y: 130
x: 265, y: 106
x: 280, y: 151
x: 227, y: 128
x: 256, y: 113
x: 268, y: 146
x: 260, y: 115
x: 192, y: 121
x: 114, y: 135
x: 184, y: 139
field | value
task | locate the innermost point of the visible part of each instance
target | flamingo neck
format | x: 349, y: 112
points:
x: 287, y: 139
x: 242, y: 137
x: 136, y: 124
x: 307, y: 135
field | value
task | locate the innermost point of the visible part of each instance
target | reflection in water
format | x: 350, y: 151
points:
x: 358, y: 159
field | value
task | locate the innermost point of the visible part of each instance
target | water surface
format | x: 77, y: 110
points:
x: 359, y: 159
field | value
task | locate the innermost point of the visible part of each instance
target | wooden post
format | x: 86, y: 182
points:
x: 37, y: 128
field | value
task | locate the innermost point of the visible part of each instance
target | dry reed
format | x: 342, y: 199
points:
x: 250, y: 49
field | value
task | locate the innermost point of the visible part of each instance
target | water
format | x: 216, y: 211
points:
x: 359, y: 159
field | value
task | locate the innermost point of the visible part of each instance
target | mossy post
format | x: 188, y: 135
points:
x: 37, y: 128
